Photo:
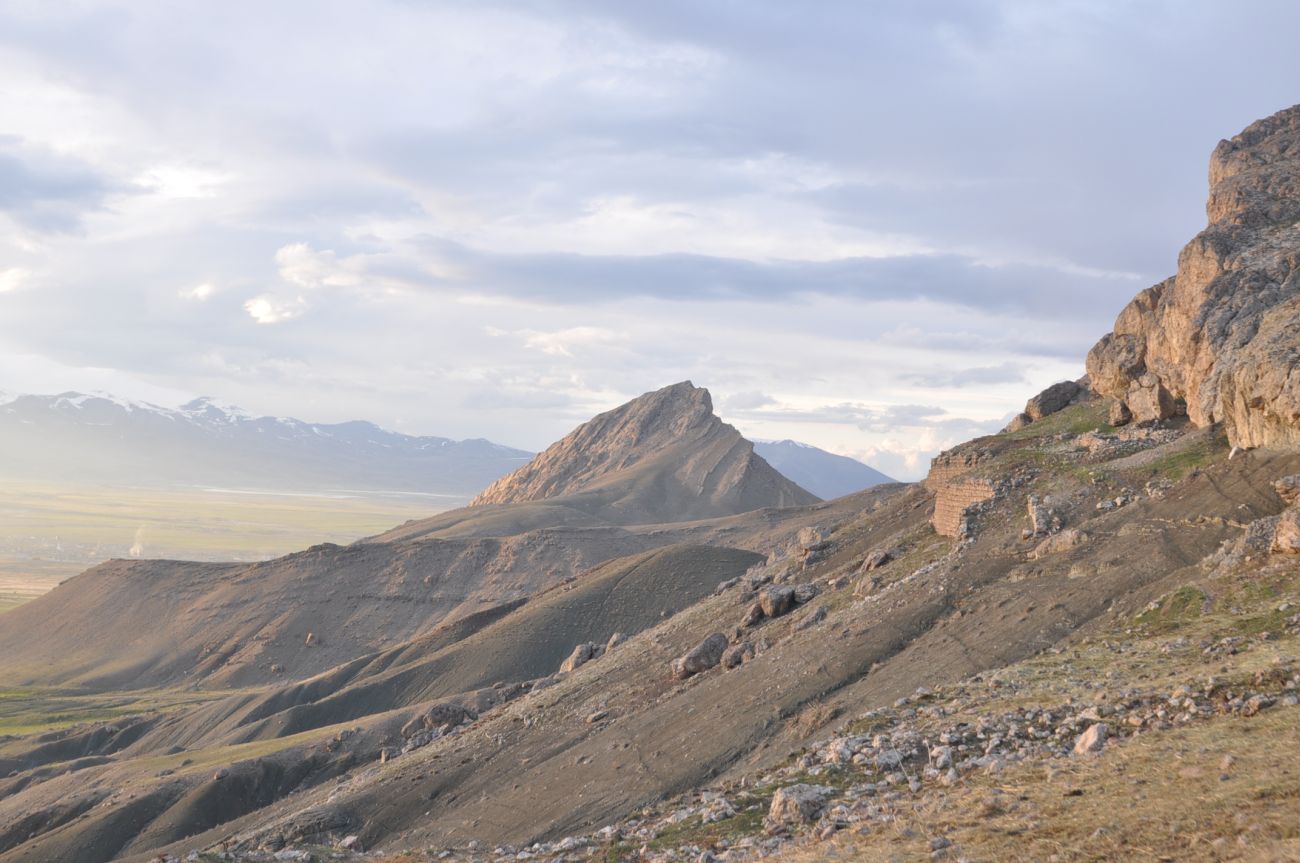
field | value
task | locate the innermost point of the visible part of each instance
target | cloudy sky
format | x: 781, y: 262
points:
x: 877, y: 227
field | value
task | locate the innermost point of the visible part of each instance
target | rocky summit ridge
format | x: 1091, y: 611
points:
x: 662, y: 456
x: 1218, y: 340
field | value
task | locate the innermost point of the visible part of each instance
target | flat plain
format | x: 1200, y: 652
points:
x: 49, y: 533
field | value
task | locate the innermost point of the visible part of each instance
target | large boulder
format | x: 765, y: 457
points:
x: 1052, y: 399
x: 1220, y: 338
x: 776, y: 600
x: 797, y: 804
x: 581, y: 655
x: 1286, y: 536
x: 702, y: 657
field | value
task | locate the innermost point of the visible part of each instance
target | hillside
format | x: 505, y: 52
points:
x: 1075, y: 640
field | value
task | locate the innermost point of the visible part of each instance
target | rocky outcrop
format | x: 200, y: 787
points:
x: 952, y: 502
x: 702, y: 657
x: 663, y: 456
x: 1221, y: 339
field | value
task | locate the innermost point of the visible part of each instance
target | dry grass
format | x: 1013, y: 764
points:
x: 1157, y: 796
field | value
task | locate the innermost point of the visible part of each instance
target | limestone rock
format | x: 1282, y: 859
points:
x: 1018, y: 422
x: 737, y: 654
x: 581, y: 655
x: 798, y: 804
x: 1052, y: 399
x: 1058, y: 542
x: 1221, y: 337
x: 1118, y: 414
x: 1288, y: 488
x: 775, y: 600
x: 876, y: 559
x: 1286, y: 537
x: 702, y: 657
x: 1092, y: 740
x: 805, y: 592
x: 753, y: 615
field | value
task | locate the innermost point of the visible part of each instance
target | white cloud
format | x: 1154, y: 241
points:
x: 13, y: 279
x: 271, y: 310
x: 199, y: 292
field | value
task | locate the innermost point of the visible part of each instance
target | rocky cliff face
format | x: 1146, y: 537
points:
x: 1220, y: 340
x: 663, y: 456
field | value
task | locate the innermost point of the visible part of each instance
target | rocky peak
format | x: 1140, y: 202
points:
x: 662, y: 455
x: 1220, y: 340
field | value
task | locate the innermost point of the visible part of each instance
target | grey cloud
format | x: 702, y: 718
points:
x: 572, y: 278
x: 747, y: 401
x: 44, y: 191
x: 1006, y: 373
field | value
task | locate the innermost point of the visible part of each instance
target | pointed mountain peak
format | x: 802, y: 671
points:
x: 662, y: 456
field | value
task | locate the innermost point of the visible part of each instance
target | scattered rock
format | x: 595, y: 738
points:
x: 806, y: 592
x: 1058, y: 542
x: 1092, y: 740
x: 1286, y: 536
x: 810, y: 620
x: 797, y: 804
x: 593, y: 718
x: 737, y: 654
x: 753, y: 615
x: 581, y: 655
x: 876, y: 559
x: 775, y: 600
x: 1288, y: 488
x: 702, y: 657
x: 614, y: 641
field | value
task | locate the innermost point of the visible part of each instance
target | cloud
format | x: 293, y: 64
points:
x: 13, y: 279
x: 47, y: 192
x: 822, y: 215
x: 999, y: 374
x: 270, y: 310
x: 747, y: 401
x: 199, y: 292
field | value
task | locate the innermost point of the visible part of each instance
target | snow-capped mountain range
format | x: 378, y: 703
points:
x: 101, y: 438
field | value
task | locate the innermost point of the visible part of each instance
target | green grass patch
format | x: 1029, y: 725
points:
x: 32, y: 709
x: 1178, y: 465
x: 1075, y: 419
x: 1173, y: 612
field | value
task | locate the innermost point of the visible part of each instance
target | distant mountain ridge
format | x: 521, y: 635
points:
x: 823, y: 473
x: 99, y: 438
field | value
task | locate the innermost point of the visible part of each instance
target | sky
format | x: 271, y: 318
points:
x: 876, y: 227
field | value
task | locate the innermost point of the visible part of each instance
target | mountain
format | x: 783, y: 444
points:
x: 98, y: 438
x: 992, y: 664
x: 663, y: 456
x: 623, y: 477
x: 1217, y: 341
x: 825, y: 474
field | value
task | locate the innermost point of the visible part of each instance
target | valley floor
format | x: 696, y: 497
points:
x: 49, y: 533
